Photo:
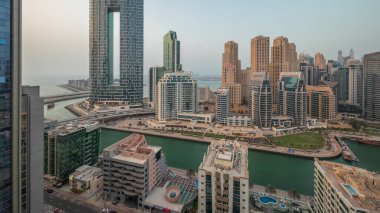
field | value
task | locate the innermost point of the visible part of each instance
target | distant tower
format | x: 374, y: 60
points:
x: 155, y: 74
x: 320, y: 61
x: 130, y: 86
x: 259, y: 54
x: 352, y: 54
x: 371, y: 108
x: 260, y: 100
x: 340, y: 58
x: 231, y: 64
x: 222, y: 107
x: 172, y: 53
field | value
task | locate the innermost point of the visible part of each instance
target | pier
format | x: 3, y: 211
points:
x: 346, y: 151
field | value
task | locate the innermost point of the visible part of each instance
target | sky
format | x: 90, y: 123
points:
x: 56, y: 40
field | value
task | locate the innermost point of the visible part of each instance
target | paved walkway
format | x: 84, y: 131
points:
x: 335, y: 150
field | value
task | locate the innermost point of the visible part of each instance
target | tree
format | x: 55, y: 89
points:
x: 270, y: 189
x: 190, y: 173
x: 294, y: 194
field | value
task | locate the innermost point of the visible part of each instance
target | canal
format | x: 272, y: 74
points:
x: 283, y: 172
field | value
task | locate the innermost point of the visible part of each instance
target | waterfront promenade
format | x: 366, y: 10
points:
x: 332, y: 152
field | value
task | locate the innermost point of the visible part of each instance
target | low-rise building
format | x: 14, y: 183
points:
x: 86, y: 178
x: 223, y: 178
x: 345, y: 189
x: 197, y: 118
x: 244, y: 121
x: 132, y: 168
x: 70, y: 146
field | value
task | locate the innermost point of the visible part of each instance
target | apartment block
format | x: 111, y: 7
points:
x: 321, y: 103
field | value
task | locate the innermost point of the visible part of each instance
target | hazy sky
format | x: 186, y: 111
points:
x: 55, y: 32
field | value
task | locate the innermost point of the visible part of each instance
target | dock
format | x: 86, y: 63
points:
x: 346, y: 151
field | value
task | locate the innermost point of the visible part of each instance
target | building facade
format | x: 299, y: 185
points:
x: 245, y: 76
x: 86, y: 179
x: 345, y: 189
x: 342, y: 77
x: 260, y: 101
x: 320, y: 61
x: 176, y: 93
x: 224, y: 179
x: 260, y: 54
x: 355, y: 84
x: 70, y: 146
x: 103, y: 88
x: 222, y: 105
x: 172, y: 53
x: 371, y: 102
x: 321, y: 103
x: 155, y: 74
x: 132, y: 168
x: 311, y: 73
x: 292, y: 97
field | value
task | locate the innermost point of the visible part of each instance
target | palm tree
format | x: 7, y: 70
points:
x: 190, y: 173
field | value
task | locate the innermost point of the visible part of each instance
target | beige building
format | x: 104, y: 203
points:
x: 235, y: 96
x: 321, y: 103
x: 345, y: 189
x: 86, y: 178
x: 260, y: 54
x: 132, y: 168
x: 320, y: 61
x: 231, y: 64
x: 224, y: 179
x: 230, y: 74
x: 245, y: 84
x: 283, y: 59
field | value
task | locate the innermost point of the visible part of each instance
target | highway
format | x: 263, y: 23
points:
x: 64, y: 97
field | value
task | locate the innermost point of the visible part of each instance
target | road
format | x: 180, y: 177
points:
x: 67, y: 204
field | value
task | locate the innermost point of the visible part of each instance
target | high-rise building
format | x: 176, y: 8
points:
x: 235, y: 96
x: 31, y: 145
x: 311, y: 74
x: 355, y: 85
x: 224, y: 178
x: 204, y: 94
x: 155, y: 74
x: 282, y: 60
x: 260, y: 100
x: 306, y: 59
x: 102, y: 85
x: 342, y: 77
x: 231, y: 64
x: 132, y: 168
x: 222, y: 105
x: 340, y: 58
x: 342, y: 188
x: 352, y: 54
x: 371, y: 102
x: 292, y: 97
x: 321, y: 103
x: 320, y: 61
x: 260, y: 54
x: 245, y: 76
x: 21, y: 120
x: 70, y: 146
x: 172, y: 54
x: 176, y: 93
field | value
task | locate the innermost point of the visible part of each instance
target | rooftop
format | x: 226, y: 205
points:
x: 69, y: 128
x: 359, y: 186
x: 87, y: 173
x: 227, y: 156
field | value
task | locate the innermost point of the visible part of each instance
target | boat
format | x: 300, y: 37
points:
x: 347, y: 155
x: 51, y: 105
x: 365, y: 141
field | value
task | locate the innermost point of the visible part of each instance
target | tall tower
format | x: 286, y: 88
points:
x: 352, y: 54
x: 130, y: 86
x: 230, y: 63
x: 172, y: 47
x: 320, y: 61
x: 371, y: 102
x: 222, y: 105
x: 260, y: 100
x: 284, y: 59
x: 259, y: 54
x: 340, y: 58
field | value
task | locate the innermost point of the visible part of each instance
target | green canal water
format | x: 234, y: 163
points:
x: 283, y: 172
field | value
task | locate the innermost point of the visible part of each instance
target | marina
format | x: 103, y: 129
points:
x: 346, y: 151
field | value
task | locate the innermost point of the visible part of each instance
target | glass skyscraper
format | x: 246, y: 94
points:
x: 172, y: 61
x: 130, y: 86
x: 10, y: 94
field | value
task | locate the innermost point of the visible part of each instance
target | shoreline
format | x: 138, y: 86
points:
x: 275, y: 150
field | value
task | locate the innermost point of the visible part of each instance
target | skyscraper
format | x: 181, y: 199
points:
x: 155, y: 74
x: 260, y: 100
x: 245, y: 76
x: 320, y: 61
x: 223, y: 106
x: 282, y: 60
x: 224, y: 178
x: 176, y: 93
x: 321, y: 103
x: 352, y: 54
x: 102, y: 85
x: 231, y: 64
x: 259, y: 54
x: 371, y: 103
x: 340, y: 58
x: 292, y: 97
x: 355, y: 84
x: 172, y: 54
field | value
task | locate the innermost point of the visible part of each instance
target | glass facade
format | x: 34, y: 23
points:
x: 5, y: 106
x: 172, y: 59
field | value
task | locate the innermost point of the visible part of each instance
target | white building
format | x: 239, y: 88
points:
x: 244, y: 121
x: 206, y: 118
x: 345, y: 189
x: 86, y: 178
x: 224, y: 179
x: 176, y: 93
x: 355, y: 84
x: 223, y: 107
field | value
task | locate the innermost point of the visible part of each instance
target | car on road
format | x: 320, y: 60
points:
x: 48, y: 190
